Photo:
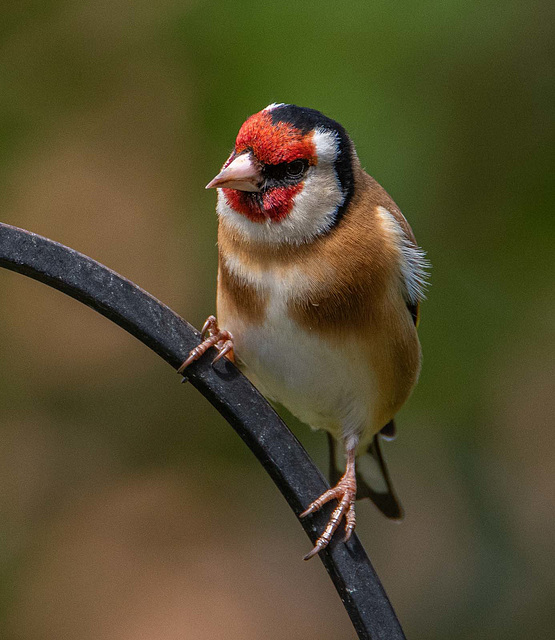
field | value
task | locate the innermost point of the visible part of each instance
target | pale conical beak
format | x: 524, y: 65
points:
x: 241, y: 174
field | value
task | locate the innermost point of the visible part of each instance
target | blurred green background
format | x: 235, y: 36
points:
x: 128, y: 508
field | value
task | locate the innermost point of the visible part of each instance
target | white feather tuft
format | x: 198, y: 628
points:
x: 414, y: 265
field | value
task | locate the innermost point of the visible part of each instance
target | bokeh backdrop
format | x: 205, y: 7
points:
x: 129, y: 510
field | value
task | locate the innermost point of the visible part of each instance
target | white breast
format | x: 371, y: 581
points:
x: 328, y: 385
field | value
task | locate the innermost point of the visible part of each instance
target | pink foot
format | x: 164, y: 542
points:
x: 345, y: 492
x: 212, y: 336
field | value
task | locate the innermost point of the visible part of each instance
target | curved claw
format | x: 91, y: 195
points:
x: 209, y: 326
x: 225, y: 349
x: 316, y: 550
x: 192, y: 357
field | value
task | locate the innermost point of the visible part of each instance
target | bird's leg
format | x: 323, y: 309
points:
x: 212, y: 336
x: 345, y: 492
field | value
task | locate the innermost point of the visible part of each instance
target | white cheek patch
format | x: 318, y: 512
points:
x: 326, y: 144
x: 414, y: 265
x: 314, y: 208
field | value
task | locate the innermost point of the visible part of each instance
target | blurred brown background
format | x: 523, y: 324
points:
x: 129, y: 510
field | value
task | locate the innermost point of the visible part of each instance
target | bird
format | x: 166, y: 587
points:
x: 319, y: 287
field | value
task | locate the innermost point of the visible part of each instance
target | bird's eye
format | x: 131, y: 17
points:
x: 296, y: 168
x: 284, y: 173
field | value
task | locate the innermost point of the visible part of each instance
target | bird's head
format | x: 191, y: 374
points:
x: 289, y: 178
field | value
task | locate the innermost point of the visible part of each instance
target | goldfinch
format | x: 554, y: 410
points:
x: 319, y: 285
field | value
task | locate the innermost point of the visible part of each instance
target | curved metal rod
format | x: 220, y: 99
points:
x: 246, y: 410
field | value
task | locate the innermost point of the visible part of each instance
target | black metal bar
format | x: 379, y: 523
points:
x: 247, y: 411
